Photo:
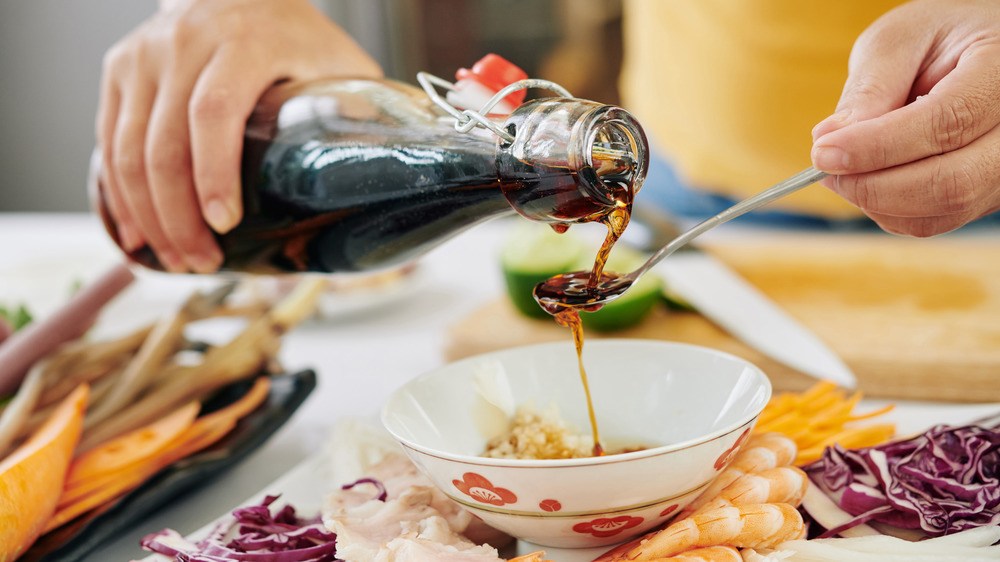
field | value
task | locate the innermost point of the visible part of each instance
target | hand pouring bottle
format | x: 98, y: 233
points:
x: 347, y: 175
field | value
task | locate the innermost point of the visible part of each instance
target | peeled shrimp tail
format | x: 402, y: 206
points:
x: 619, y: 552
x: 537, y: 556
x: 708, y: 554
x: 782, y: 484
x: 747, y: 526
x: 761, y: 452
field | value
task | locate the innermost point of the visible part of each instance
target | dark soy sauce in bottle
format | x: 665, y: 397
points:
x: 360, y: 175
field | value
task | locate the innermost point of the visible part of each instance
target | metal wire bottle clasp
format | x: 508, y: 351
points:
x: 468, y: 119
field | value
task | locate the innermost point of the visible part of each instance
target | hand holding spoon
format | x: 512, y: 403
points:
x: 576, y: 289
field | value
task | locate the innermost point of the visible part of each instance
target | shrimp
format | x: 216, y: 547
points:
x: 761, y: 452
x: 746, y: 526
x: 618, y: 552
x: 707, y: 554
x: 782, y: 484
x: 537, y: 556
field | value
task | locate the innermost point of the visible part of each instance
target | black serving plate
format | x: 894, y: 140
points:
x: 78, y: 538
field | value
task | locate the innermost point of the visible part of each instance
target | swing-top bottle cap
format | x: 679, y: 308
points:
x: 474, y: 87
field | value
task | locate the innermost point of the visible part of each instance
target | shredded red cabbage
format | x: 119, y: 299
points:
x: 260, y: 536
x: 941, y: 482
x: 382, y: 493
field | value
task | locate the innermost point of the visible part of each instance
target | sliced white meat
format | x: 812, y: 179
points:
x: 341, y: 501
x: 363, y: 530
x: 419, y: 550
x: 435, y: 542
x: 436, y: 529
x: 398, y: 474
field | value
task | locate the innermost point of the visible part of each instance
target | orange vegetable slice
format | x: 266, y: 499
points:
x: 32, y: 476
x: 205, y: 431
x: 246, y: 403
x: 132, y: 447
x: 821, y: 416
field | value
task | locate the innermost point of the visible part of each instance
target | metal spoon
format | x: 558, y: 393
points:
x: 574, y: 289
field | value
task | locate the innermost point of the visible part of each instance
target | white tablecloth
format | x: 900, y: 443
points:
x: 360, y: 355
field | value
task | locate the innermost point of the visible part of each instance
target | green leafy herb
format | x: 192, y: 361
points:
x: 18, y: 317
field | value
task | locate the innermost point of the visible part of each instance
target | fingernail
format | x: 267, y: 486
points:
x: 218, y: 215
x: 832, y: 123
x: 839, y: 116
x: 830, y: 159
x: 129, y: 237
x: 172, y: 261
x: 206, y: 261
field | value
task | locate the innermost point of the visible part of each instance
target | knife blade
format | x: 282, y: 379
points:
x: 721, y: 295
x: 724, y: 297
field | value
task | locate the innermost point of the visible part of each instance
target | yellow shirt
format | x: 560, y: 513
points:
x: 731, y: 89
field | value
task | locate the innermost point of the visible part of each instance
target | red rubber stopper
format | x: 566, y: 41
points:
x: 495, y: 73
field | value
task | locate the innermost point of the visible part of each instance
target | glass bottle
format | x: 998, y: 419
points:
x: 352, y: 175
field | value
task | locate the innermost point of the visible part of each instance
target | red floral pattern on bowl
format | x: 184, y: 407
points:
x: 607, y: 526
x: 729, y: 453
x: 550, y: 505
x: 482, y: 490
x: 668, y: 510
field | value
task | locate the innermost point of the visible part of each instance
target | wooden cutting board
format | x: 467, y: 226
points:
x: 913, y: 318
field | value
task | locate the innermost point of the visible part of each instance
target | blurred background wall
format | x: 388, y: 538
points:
x: 51, y: 51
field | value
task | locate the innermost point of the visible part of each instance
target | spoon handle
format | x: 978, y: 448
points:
x: 802, y: 179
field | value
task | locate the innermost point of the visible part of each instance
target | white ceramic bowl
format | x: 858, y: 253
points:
x: 693, y: 406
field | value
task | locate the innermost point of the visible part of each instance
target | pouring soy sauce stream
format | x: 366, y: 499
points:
x: 589, y: 290
x: 564, y: 296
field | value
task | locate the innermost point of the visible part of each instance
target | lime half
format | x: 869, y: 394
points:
x: 633, y: 306
x: 534, y: 252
